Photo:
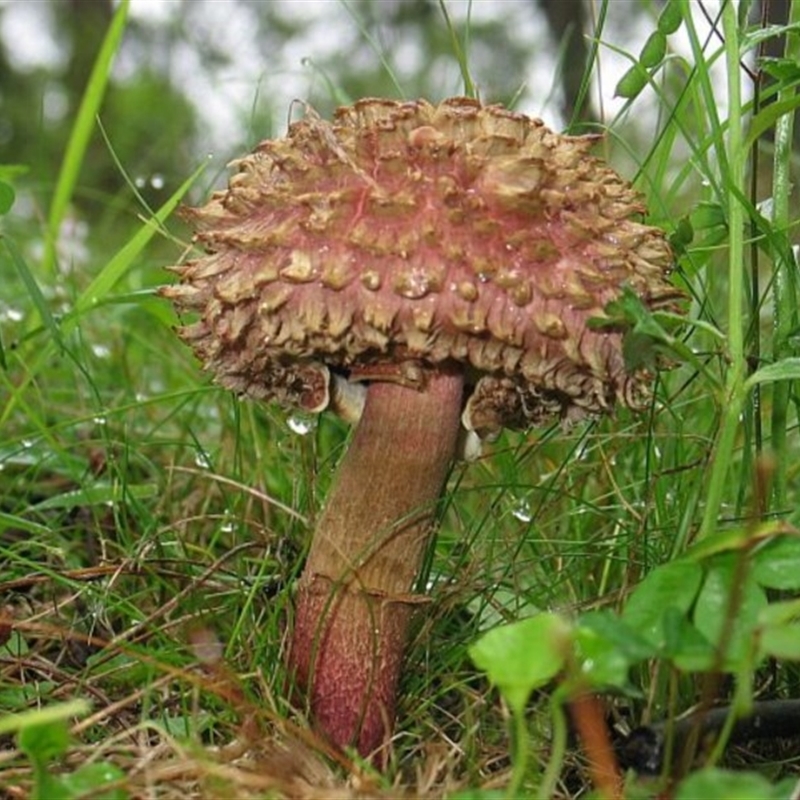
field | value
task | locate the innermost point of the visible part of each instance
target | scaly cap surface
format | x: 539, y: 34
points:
x: 409, y: 232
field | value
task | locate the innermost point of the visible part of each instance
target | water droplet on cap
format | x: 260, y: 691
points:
x: 302, y: 424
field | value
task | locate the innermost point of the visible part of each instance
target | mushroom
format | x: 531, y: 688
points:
x: 421, y: 269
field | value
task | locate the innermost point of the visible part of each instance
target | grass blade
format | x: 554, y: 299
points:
x: 38, y: 299
x: 99, y: 288
x: 116, y: 268
x: 461, y: 53
x: 734, y: 394
x: 784, y: 266
x: 81, y: 133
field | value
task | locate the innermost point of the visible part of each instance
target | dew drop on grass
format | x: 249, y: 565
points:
x: 202, y: 461
x: 521, y: 509
x: 302, y: 424
x: 101, y: 350
x: 157, y: 181
x: 766, y: 208
x: 11, y: 314
x: 100, y: 419
x: 27, y: 444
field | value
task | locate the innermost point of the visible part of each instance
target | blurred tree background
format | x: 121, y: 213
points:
x: 198, y: 76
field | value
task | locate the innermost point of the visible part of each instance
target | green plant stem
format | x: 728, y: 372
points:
x: 784, y: 286
x: 521, y: 749
x: 743, y: 703
x: 754, y: 348
x: 733, y: 395
x: 558, y: 749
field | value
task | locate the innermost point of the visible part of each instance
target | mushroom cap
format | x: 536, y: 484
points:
x: 410, y: 233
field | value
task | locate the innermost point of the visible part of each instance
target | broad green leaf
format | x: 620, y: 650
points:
x: 43, y: 716
x: 786, y: 370
x: 714, y: 608
x: 777, y: 564
x: 44, y: 742
x: 607, y: 648
x: 719, y: 784
x: 186, y: 725
x: 708, y: 215
x: 682, y: 236
x: 639, y: 351
x: 628, y: 310
x: 50, y: 787
x: 782, y: 69
x: 523, y: 656
x: 684, y: 645
x: 16, y: 646
x: 18, y: 698
x: 90, y: 780
x: 672, y: 585
x: 781, y: 641
x: 780, y: 613
x: 710, y: 241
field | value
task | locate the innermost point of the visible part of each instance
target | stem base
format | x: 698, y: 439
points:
x: 353, y: 606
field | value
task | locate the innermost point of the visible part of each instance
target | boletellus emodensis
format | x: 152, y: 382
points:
x: 422, y: 270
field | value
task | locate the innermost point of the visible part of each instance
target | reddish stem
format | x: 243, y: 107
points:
x: 589, y: 720
x: 354, y: 603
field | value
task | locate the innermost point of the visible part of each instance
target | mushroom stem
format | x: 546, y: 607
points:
x: 354, y: 601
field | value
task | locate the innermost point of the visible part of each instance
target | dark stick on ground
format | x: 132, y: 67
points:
x: 645, y: 749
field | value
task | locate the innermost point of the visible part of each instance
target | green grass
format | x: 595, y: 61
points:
x: 146, y: 516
